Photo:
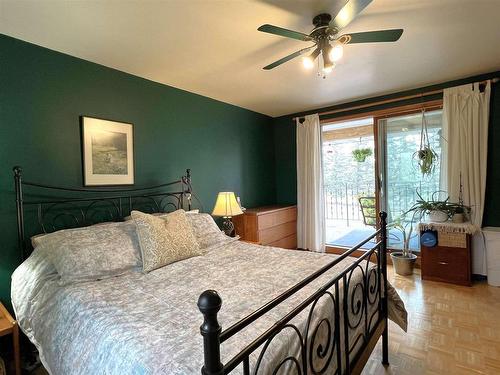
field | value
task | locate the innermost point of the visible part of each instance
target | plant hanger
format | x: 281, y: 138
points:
x: 425, y: 157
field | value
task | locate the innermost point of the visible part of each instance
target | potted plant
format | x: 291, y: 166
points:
x: 437, y: 210
x: 361, y: 154
x: 459, y: 212
x: 404, y: 261
x: 426, y: 158
x: 458, y: 215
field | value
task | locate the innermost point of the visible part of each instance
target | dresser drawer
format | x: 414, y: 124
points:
x: 289, y: 242
x: 447, y: 264
x: 273, y: 219
x: 270, y: 235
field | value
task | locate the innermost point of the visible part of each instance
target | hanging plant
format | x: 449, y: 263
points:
x: 361, y: 154
x: 426, y: 158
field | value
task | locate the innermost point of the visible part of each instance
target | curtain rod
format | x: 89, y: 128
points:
x: 373, y: 104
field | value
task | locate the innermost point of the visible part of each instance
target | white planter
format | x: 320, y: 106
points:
x: 438, y: 216
x: 403, y: 265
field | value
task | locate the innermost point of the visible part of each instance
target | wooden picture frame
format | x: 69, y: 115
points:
x: 107, y: 152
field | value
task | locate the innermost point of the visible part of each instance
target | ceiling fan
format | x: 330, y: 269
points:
x: 325, y: 36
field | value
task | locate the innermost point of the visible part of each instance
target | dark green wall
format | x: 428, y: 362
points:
x: 285, y: 145
x: 42, y: 95
x: 285, y: 150
x: 492, y: 208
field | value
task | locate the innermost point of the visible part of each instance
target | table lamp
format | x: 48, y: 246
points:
x: 227, y: 207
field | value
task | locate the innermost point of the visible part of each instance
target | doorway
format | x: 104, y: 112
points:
x: 349, y: 181
x: 369, y: 165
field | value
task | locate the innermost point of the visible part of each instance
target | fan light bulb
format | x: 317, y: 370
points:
x: 336, y: 52
x: 308, y: 62
x: 328, y: 69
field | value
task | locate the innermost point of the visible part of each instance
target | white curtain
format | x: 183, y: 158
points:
x: 310, y: 200
x: 465, y: 126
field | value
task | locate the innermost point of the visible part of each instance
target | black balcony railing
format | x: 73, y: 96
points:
x: 341, y: 200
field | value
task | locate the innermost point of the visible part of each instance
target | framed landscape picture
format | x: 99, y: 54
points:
x: 108, y: 152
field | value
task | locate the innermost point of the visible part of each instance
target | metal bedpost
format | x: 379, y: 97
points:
x: 188, y: 179
x: 209, y: 304
x: 383, y: 257
x: 187, y: 189
x: 20, y: 210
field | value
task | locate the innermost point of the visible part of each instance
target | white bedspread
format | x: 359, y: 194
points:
x: 149, y: 323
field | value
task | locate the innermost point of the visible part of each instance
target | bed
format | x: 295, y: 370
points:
x: 262, y: 310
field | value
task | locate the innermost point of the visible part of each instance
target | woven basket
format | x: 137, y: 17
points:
x: 452, y: 239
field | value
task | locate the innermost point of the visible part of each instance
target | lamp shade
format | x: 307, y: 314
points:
x: 226, y: 205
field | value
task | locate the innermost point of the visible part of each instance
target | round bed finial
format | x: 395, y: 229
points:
x: 209, y: 302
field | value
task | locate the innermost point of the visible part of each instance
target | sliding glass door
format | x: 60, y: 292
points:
x: 401, y: 178
x: 371, y: 164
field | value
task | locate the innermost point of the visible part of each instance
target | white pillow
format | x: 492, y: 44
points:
x: 95, y: 252
x: 206, y: 230
x: 38, y: 239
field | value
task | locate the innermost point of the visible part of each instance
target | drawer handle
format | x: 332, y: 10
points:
x: 443, y: 263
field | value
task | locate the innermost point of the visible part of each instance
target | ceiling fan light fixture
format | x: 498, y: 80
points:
x: 327, y: 62
x: 308, y: 61
x: 328, y: 69
x: 336, y: 52
x: 327, y: 42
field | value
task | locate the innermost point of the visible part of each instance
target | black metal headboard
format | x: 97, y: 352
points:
x: 53, y: 207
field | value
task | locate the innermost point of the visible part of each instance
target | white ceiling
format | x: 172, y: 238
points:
x: 213, y: 48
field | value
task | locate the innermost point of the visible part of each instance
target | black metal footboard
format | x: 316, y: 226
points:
x: 358, y: 316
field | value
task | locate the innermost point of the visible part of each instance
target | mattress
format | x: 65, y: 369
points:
x: 140, y: 323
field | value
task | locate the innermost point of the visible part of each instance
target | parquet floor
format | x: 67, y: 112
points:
x: 452, y: 330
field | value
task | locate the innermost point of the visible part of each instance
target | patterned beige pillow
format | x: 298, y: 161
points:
x: 206, y: 231
x: 164, y: 240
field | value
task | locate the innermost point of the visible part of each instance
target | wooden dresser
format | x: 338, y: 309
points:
x: 271, y: 225
x: 449, y: 261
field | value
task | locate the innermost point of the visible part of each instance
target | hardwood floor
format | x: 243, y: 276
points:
x: 451, y: 330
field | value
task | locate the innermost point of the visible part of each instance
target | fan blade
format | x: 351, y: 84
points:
x: 284, y: 32
x: 287, y: 58
x: 348, y: 13
x: 371, y: 36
